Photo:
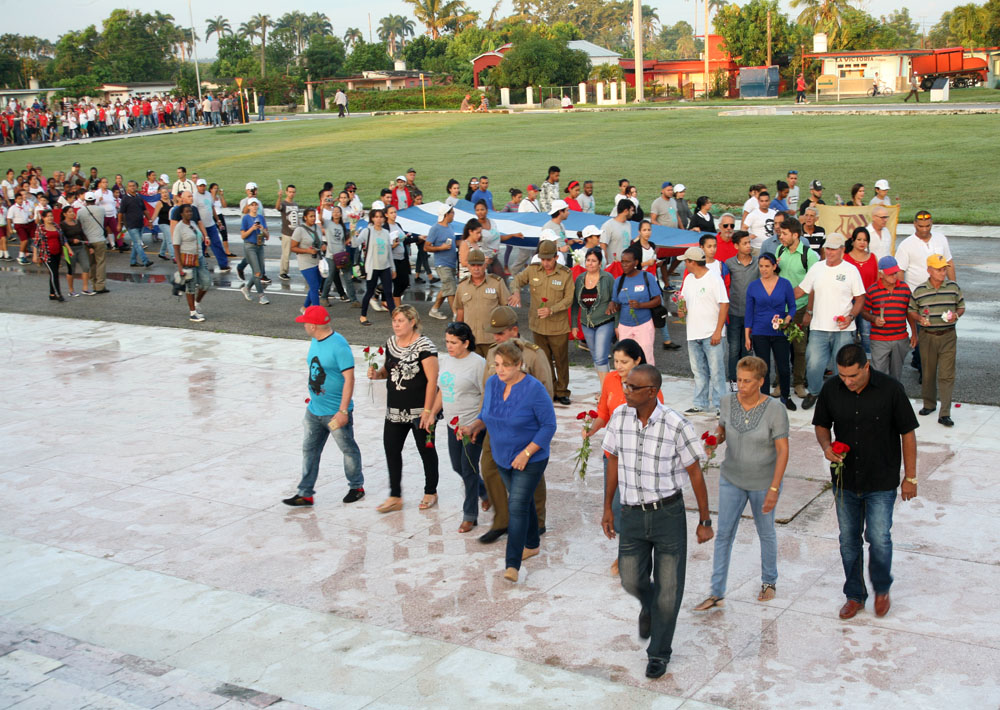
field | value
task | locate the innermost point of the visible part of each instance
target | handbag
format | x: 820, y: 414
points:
x: 341, y: 259
x: 189, y: 261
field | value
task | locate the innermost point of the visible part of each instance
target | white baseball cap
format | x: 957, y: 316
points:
x: 164, y: 178
x: 558, y: 206
x: 401, y: 177
x: 90, y: 197
x: 679, y: 187
x: 548, y: 234
x: 251, y: 186
x: 202, y: 181
x: 378, y: 205
x: 590, y: 231
x: 443, y: 211
x: 881, y: 184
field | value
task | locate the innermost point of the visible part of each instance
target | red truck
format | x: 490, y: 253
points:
x: 951, y: 63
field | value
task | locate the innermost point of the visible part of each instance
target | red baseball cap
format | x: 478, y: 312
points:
x: 314, y: 315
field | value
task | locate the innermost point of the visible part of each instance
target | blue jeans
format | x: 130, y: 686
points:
x: 652, y: 557
x: 870, y: 513
x: 736, y: 345
x: 708, y: 366
x: 865, y: 331
x: 315, y: 432
x: 255, y: 259
x: 599, y: 341
x: 732, y: 501
x: 822, y: 346
x: 215, y: 241
x: 138, y: 255
x: 522, y: 529
x: 314, y: 281
x: 465, y: 462
x: 166, y: 244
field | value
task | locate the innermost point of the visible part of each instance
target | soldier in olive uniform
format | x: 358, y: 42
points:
x: 476, y: 297
x: 503, y: 326
x: 551, y: 287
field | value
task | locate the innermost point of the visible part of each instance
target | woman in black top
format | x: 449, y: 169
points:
x: 162, y: 211
x: 702, y: 220
x: 411, y: 371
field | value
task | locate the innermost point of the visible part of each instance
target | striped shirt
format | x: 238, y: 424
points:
x: 890, y: 305
x: 652, y: 459
x: 935, y: 302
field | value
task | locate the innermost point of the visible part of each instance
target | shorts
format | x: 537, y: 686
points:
x: 201, y: 278
x: 25, y: 232
x: 447, y: 276
x: 80, y: 259
x: 111, y: 225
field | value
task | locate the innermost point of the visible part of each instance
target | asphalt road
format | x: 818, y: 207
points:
x: 143, y: 297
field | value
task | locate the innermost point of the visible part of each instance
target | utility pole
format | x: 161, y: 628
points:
x: 640, y: 88
x: 768, y: 38
x: 194, y: 52
x: 370, y: 28
x: 705, y: 49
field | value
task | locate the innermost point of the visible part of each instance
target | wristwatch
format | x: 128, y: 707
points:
x: 912, y: 480
x: 705, y: 523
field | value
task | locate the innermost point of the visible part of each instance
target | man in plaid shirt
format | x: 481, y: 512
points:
x: 652, y: 452
x: 550, y: 190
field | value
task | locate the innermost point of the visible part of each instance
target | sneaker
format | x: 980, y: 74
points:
x: 264, y: 300
x: 298, y: 500
x: 801, y: 392
x: 266, y: 281
x: 692, y: 410
x: 89, y: 293
x: 435, y: 280
x: 808, y: 401
x: 284, y: 277
x: 355, y: 304
x: 435, y: 313
x: 343, y: 299
x: 73, y: 294
x: 245, y: 290
x: 376, y: 306
x: 354, y: 495
x: 419, y: 280
x: 196, y: 318
x: 223, y: 271
x: 239, y: 271
x: 324, y: 302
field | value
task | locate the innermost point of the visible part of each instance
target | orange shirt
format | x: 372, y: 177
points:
x: 613, y: 396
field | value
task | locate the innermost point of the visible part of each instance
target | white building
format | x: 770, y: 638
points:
x: 598, y: 55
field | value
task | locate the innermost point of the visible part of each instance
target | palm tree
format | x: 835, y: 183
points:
x: 522, y: 10
x: 295, y: 22
x: 318, y: 24
x: 353, y: 36
x: 650, y: 20
x: 437, y: 15
x: 406, y: 28
x: 716, y: 5
x: 219, y: 27
x: 968, y: 24
x: 824, y: 16
x: 387, y: 33
x: 257, y: 26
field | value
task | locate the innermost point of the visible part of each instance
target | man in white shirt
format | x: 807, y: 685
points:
x: 760, y: 222
x: 793, y: 191
x: 182, y: 183
x: 586, y: 200
x: 836, y: 296
x: 879, y: 237
x: 530, y: 201
x: 881, y: 194
x: 751, y: 204
x: 705, y: 309
x: 663, y: 211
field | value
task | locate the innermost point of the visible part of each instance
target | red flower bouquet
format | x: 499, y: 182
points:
x: 583, y: 454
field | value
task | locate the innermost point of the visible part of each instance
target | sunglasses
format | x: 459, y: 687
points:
x: 923, y: 215
x: 730, y: 225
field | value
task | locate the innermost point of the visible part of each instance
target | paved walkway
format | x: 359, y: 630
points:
x: 147, y: 561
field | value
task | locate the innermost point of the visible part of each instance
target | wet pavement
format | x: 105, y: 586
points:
x: 148, y: 562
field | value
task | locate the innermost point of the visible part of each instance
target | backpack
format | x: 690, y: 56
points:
x: 659, y: 312
x: 805, y: 254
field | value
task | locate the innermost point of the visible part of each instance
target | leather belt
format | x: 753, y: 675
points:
x: 656, y: 504
x: 938, y: 331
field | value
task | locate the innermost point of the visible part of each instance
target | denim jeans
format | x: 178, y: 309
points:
x: 522, y: 529
x: 315, y: 431
x: 735, y: 345
x: 865, y: 331
x: 822, y: 346
x: 314, y: 282
x: 166, y: 244
x: 708, y: 366
x: 138, y: 257
x: 254, y: 254
x: 599, y: 341
x: 732, y: 501
x: 870, y: 513
x: 215, y: 242
x: 652, y: 557
x: 465, y: 462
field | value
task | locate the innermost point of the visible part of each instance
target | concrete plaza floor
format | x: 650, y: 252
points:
x: 146, y: 560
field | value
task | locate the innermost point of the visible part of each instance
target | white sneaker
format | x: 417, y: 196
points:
x: 264, y: 300
x: 245, y: 291
x: 376, y: 306
x: 196, y: 317
x: 435, y: 313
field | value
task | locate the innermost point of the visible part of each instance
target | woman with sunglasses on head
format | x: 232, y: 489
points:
x: 473, y: 186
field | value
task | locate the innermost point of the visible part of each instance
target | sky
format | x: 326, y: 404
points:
x: 76, y: 14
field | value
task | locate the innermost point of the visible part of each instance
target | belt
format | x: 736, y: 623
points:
x: 937, y: 331
x: 656, y: 504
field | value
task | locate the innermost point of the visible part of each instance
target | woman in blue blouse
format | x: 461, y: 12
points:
x: 518, y: 415
x: 770, y: 304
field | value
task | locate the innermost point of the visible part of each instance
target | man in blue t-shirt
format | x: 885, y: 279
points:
x: 483, y: 193
x: 441, y: 243
x: 330, y: 410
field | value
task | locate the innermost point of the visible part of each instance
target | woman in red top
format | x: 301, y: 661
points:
x: 48, y: 250
x: 572, y: 192
x: 626, y: 355
x: 856, y: 252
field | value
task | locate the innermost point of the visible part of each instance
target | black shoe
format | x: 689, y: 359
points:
x: 298, y: 500
x: 671, y: 346
x: 284, y: 277
x: 564, y: 401
x: 239, y: 272
x: 435, y: 280
x: 789, y: 404
x: 926, y: 410
x: 492, y: 535
x: 645, y: 619
x: 655, y: 668
x: 920, y: 378
x: 353, y: 495
x: 541, y: 530
x: 103, y: 290
x: 419, y: 280
x: 266, y: 281
x: 165, y: 258
x: 945, y: 421
x: 809, y: 401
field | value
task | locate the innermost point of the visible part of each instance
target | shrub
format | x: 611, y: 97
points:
x: 438, y: 97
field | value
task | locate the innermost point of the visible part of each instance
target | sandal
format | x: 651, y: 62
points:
x: 390, y: 504
x: 710, y: 603
x: 767, y: 593
x: 428, y: 502
x: 486, y: 505
x: 466, y: 526
x: 365, y: 321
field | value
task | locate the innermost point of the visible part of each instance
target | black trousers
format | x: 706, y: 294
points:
x: 52, y: 264
x: 393, y: 438
x: 402, y: 280
x: 763, y: 347
x: 381, y: 277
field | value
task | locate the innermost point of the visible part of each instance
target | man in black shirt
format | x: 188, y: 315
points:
x: 815, y: 196
x: 870, y: 414
x: 133, y: 211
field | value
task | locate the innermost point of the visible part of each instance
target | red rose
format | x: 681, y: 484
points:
x: 429, y: 445
x: 592, y: 414
x: 380, y: 351
x: 581, y: 416
x: 367, y: 350
x: 307, y: 400
x: 840, y: 448
x: 545, y: 300
x: 704, y: 435
x: 711, y: 441
x: 454, y: 422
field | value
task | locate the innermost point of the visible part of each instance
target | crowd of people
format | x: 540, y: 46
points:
x: 775, y: 307
x: 23, y: 124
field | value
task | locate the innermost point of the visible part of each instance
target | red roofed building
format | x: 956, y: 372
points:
x: 486, y: 60
x: 678, y: 72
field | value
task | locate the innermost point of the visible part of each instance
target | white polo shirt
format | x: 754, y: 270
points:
x: 912, y: 255
x: 879, y: 243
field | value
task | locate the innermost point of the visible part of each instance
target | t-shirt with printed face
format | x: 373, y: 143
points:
x: 289, y: 218
x: 328, y: 359
x: 760, y: 225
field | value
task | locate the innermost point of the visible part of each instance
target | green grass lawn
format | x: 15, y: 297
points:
x: 942, y: 163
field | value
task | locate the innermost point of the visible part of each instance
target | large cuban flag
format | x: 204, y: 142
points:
x: 420, y: 219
